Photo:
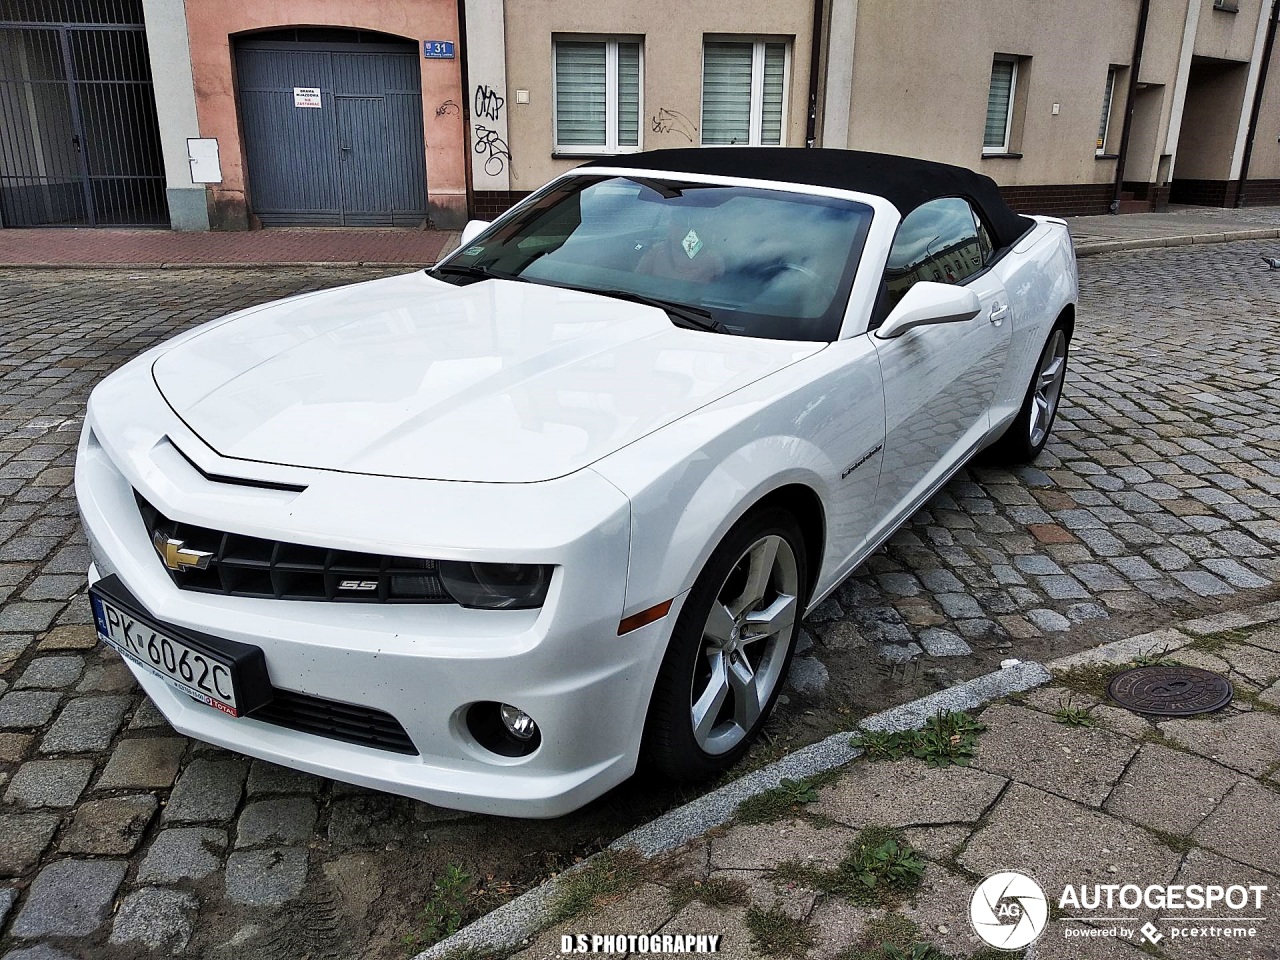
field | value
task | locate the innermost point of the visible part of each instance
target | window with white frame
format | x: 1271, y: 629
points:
x: 597, y: 95
x: 1104, y: 125
x: 1004, y: 83
x: 744, y: 87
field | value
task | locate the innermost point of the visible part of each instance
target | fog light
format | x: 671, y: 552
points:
x: 503, y: 729
x: 518, y: 723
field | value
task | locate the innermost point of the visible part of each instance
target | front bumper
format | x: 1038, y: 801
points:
x: 587, y: 688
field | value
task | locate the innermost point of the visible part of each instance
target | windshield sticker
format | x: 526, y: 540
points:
x: 692, y: 244
x: 473, y: 251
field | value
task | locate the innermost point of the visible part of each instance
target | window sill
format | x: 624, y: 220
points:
x: 592, y: 154
x: 1106, y: 156
x: 1002, y: 156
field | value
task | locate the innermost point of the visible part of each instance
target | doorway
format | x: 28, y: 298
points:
x: 332, y: 128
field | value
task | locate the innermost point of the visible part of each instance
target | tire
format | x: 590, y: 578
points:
x: 730, y: 650
x: 1027, y: 435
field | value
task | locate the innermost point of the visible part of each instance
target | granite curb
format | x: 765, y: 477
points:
x: 1091, y: 247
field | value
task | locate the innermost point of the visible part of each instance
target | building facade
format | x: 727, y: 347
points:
x: 224, y: 115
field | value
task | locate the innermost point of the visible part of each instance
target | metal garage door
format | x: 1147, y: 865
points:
x: 358, y: 158
x: 79, y: 141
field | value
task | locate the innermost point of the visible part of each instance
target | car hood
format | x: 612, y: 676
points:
x: 408, y: 376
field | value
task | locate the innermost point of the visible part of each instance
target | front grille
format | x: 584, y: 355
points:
x: 242, y: 566
x: 337, y: 721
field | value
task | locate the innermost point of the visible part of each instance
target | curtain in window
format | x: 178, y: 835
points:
x: 999, y: 100
x: 628, y: 94
x: 775, y: 60
x: 726, y: 93
x: 1106, y: 108
x: 580, y: 94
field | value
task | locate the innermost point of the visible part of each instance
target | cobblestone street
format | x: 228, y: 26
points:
x: 1158, y: 495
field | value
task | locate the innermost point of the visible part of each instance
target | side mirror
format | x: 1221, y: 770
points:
x: 472, y: 230
x: 928, y: 303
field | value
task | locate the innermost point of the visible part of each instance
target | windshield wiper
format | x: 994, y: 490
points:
x: 480, y: 271
x: 681, y: 314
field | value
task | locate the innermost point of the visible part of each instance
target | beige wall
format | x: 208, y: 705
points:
x: 672, y: 74
x: 1227, y: 36
x: 1146, y: 137
x: 1265, y: 163
x: 920, y: 88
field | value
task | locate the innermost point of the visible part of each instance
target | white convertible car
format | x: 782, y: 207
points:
x: 492, y: 534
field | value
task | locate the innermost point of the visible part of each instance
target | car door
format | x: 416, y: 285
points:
x: 939, y: 381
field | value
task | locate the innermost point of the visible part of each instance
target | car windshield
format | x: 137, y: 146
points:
x: 755, y: 262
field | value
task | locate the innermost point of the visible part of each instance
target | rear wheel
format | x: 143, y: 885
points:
x: 730, y: 650
x: 1029, y: 432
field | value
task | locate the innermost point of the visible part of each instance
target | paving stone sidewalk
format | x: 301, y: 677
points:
x: 83, y: 247
x: 1177, y: 226
x: 1065, y: 787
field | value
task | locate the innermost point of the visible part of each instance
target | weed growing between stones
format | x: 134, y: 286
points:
x: 947, y: 738
x: 718, y: 892
x: 607, y: 877
x: 776, y: 933
x: 785, y: 800
x: 880, y: 868
x: 442, y: 914
x: 1074, y: 716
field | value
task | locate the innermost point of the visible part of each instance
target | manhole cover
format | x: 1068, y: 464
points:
x: 1170, y: 691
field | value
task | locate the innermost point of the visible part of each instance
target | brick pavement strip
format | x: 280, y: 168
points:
x: 1159, y: 493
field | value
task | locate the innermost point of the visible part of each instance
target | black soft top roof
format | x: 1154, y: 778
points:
x: 904, y: 181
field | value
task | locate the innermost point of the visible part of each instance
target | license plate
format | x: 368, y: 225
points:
x: 232, y: 679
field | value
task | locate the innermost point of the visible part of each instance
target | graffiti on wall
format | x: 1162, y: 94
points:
x: 667, y: 120
x: 448, y: 109
x: 488, y: 105
x: 493, y: 148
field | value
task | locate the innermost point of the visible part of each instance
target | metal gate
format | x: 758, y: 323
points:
x: 79, y: 139
x: 357, y: 159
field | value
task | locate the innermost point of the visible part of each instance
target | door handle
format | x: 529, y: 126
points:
x: 998, y: 312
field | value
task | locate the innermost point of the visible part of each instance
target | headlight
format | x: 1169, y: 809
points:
x: 496, y: 586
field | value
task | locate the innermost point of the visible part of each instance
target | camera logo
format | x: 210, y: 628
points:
x: 1008, y: 910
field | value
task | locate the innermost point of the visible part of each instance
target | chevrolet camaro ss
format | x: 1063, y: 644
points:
x: 495, y: 533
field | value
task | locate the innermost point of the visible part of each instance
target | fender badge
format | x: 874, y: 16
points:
x: 863, y: 459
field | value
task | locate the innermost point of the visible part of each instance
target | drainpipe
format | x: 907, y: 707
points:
x: 1257, y: 101
x: 464, y: 68
x: 815, y: 49
x: 1139, y: 39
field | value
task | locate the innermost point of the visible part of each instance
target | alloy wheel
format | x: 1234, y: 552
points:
x: 744, y: 644
x: 1047, y: 390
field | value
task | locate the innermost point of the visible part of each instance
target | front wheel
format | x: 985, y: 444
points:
x: 729, y: 651
x: 1029, y: 432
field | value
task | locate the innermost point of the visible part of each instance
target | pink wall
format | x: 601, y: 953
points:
x: 211, y: 24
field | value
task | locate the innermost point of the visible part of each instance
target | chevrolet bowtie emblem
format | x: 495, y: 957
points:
x: 178, y: 557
